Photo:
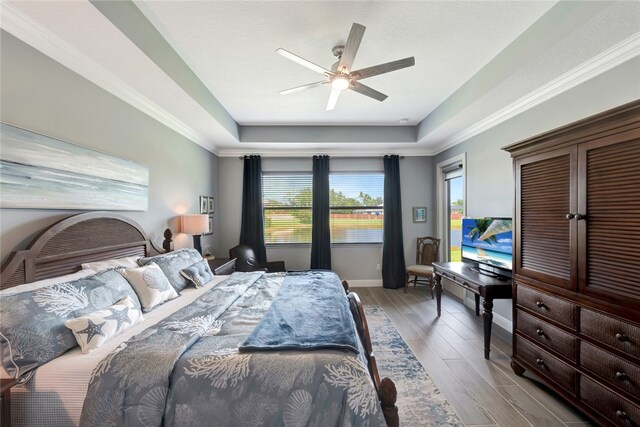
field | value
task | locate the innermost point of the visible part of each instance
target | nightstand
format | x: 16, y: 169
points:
x: 5, y: 400
x: 222, y: 266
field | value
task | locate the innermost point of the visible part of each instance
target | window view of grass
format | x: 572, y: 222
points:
x: 355, y: 200
x: 456, y: 208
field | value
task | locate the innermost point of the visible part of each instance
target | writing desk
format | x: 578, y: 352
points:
x: 489, y: 288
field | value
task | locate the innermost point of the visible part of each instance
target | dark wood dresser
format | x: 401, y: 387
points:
x: 576, y: 281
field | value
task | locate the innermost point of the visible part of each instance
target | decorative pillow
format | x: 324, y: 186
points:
x: 46, y: 282
x: 199, y: 273
x: 151, y: 285
x: 128, y: 262
x: 172, y: 263
x: 32, y: 330
x: 94, y: 329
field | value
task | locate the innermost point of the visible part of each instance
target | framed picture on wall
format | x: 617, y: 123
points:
x: 204, y: 204
x: 210, y: 225
x: 420, y: 214
x: 211, y: 205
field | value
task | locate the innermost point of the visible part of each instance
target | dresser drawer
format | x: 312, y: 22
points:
x: 548, y: 335
x: 547, y: 365
x: 608, y: 330
x: 612, y: 407
x: 612, y: 369
x: 547, y: 305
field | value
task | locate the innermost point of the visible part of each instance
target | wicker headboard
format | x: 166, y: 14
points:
x: 60, y: 248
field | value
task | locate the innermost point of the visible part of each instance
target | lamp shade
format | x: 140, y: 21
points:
x: 195, y: 223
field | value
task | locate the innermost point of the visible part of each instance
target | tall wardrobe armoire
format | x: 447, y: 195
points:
x: 576, y: 296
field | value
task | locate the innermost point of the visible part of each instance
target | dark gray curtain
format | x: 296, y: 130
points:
x: 252, y: 227
x: 393, y: 266
x: 321, y: 229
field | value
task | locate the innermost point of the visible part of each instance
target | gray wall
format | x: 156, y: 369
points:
x: 40, y: 95
x: 351, y: 262
x: 489, y: 183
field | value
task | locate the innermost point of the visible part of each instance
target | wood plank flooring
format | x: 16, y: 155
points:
x: 483, y: 392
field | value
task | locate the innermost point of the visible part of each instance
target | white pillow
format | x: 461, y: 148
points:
x: 47, y: 282
x: 94, y: 329
x: 98, y: 266
x: 151, y: 285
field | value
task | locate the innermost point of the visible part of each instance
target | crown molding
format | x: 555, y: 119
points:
x: 610, y: 58
x: 37, y: 36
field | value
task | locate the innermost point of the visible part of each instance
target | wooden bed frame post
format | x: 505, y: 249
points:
x: 387, y: 393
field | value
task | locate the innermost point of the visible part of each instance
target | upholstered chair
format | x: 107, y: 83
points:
x: 246, y: 260
x: 426, y: 254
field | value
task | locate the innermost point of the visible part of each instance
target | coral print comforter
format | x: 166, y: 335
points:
x: 216, y: 363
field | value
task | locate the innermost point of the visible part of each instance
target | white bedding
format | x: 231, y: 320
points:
x: 54, y: 396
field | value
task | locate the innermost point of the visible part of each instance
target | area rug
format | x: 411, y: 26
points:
x: 420, y: 403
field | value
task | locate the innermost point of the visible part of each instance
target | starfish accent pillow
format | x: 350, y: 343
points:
x: 94, y: 329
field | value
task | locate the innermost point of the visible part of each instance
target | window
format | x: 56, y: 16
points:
x: 451, y: 197
x: 286, y: 202
x: 355, y: 201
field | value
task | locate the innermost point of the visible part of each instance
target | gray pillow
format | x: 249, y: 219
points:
x: 199, y: 273
x: 32, y: 330
x: 172, y: 263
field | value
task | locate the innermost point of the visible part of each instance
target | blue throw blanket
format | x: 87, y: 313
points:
x: 310, y: 312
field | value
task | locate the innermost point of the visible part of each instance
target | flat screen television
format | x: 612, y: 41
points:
x: 488, y: 241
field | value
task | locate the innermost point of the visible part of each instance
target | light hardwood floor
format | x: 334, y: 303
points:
x: 483, y: 392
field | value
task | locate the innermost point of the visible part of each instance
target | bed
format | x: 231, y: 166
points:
x: 57, y: 393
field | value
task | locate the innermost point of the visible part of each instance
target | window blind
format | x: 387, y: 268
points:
x: 286, y: 200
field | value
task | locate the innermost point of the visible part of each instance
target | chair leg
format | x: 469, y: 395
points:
x: 406, y: 284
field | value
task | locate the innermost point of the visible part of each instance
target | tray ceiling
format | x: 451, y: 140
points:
x: 209, y: 69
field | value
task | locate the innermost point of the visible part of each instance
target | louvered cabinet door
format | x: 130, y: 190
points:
x: 609, y: 234
x: 546, y: 239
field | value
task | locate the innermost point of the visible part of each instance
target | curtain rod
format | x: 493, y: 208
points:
x: 337, y: 157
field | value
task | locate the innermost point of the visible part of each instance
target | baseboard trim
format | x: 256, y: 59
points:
x: 499, y: 320
x: 370, y: 283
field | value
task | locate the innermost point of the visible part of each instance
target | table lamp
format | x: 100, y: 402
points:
x: 195, y: 224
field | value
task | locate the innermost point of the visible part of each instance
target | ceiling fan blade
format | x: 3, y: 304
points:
x: 333, y: 99
x: 366, y: 90
x: 303, y: 87
x: 302, y: 61
x: 351, y: 47
x: 383, y: 68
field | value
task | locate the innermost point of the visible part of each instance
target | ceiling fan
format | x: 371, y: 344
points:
x: 340, y: 76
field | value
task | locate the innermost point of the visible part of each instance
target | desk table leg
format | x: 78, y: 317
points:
x: 438, y: 279
x: 477, y: 296
x: 487, y: 316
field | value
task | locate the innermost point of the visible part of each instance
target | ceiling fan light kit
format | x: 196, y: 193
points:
x: 340, y: 82
x: 341, y: 77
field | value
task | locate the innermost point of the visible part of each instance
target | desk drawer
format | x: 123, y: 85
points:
x: 547, y: 305
x: 614, y: 370
x: 616, y: 409
x: 548, y: 335
x: 547, y: 365
x: 608, y: 330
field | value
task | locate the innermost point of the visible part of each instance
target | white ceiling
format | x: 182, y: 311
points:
x: 473, y: 60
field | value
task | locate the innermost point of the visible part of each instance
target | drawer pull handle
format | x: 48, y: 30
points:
x: 621, y: 376
x: 540, y: 332
x: 540, y: 304
x: 622, y: 337
x: 570, y: 216
x: 622, y: 415
x: 540, y: 362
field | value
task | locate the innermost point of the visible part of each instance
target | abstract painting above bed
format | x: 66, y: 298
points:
x: 40, y: 172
